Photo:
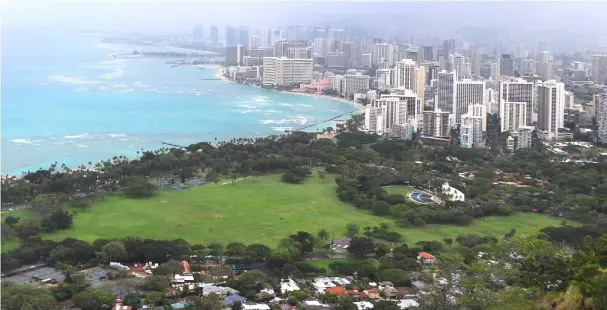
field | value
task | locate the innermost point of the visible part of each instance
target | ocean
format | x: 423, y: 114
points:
x: 65, y: 99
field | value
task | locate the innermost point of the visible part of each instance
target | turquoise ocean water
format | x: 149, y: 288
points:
x: 66, y: 99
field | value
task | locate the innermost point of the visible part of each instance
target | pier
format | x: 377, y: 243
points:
x: 171, y: 144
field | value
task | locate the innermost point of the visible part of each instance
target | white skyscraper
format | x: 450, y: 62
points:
x: 375, y: 120
x: 284, y: 71
x: 458, y: 62
x: 495, y: 71
x: 395, y: 111
x: 525, y: 136
x: 550, y: 108
x: 601, y: 116
x: 383, y: 51
x: 544, y: 66
x: 405, y: 74
x: 599, y: 69
x: 408, y: 97
x: 436, y: 123
x: 518, y: 90
x: 512, y: 115
x: 481, y: 111
x: 475, y: 64
x: 355, y: 83
x: 471, y: 131
x: 446, y: 91
x: 468, y: 92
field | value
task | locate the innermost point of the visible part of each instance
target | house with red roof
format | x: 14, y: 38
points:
x: 426, y: 258
x: 336, y: 290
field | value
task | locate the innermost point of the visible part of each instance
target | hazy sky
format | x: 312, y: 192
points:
x: 440, y: 17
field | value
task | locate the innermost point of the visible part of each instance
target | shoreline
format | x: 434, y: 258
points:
x: 219, y: 73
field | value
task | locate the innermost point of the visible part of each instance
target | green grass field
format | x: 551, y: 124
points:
x: 399, y: 189
x: 263, y: 211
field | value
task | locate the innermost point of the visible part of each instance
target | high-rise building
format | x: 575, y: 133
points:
x: 382, y: 51
x: 384, y: 79
x: 214, y: 34
x: 254, y: 41
x: 527, y: 67
x: 475, y: 64
x: 480, y: 111
x: 284, y: 71
x: 544, y: 65
x: 467, y: 93
x: 507, y: 65
x: 244, y: 36
x: 550, y: 108
x: 336, y: 60
x: 320, y: 47
x: 428, y: 53
x: 419, y: 85
x: 458, y: 61
x: 431, y: 72
x: 408, y: 97
x: 299, y: 52
x: 198, y: 33
x: 281, y: 47
x: 235, y: 55
x: 375, y: 118
x: 436, y: 123
x: 357, y: 52
x: 231, y: 38
x: 518, y: 90
x: 395, y: 110
x: 524, y: 136
x: 495, y: 71
x: 601, y: 116
x: 405, y: 74
x: 355, y: 83
x: 446, y: 91
x: 415, y: 55
x: 599, y: 69
x: 512, y: 115
x: 471, y: 131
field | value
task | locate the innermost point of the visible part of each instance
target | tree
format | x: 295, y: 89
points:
x: 288, y: 245
x: 448, y: 241
x: 212, y: 176
x: 11, y: 221
x: 386, y: 305
x: 154, y: 298
x: 132, y: 299
x: 323, y: 236
x: 361, y: 246
x: 114, y: 251
x: 18, y: 297
x: 322, y: 175
x: 398, y: 277
x: 64, y: 291
x: 157, y: 283
x: 352, y: 230
x: 138, y: 188
x: 235, y: 249
x: 169, y: 268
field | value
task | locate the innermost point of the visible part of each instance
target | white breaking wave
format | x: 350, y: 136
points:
x: 24, y: 141
x: 247, y: 106
x: 71, y: 80
x: 126, y: 90
x: 80, y: 145
x: 305, y: 106
x: 84, y: 135
x: 282, y: 129
x: 116, y: 73
x: 114, y: 135
x: 285, y: 105
x: 300, y: 120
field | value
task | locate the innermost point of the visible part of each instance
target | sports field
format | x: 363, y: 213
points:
x: 262, y: 211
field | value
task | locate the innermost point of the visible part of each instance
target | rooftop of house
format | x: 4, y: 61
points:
x: 426, y: 255
x: 337, y: 290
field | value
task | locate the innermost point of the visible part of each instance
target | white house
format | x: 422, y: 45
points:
x: 452, y: 193
x: 288, y: 285
x: 363, y: 305
x: 255, y: 307
x: 407, y: 303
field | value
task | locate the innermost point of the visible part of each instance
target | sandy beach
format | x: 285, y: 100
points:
x: 220, y: 70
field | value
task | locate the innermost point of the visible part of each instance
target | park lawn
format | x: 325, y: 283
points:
x: 262, y: 211
x: 23, y: 215
x: 325, y: 262
x: 399, y: 189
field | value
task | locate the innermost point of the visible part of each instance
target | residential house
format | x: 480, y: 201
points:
x: 340, y: 245
x: 373, y: 293
x: 407, y: 303
x: 384, y: 284
x: 389, y: 291
x: 119, y: 306
x: 363, y: 305
x: 219, y: 290
x: 356, y: 294
x: 405, y: 292
x: 314, y: 305
x: 337, y: 290
x: 229, y: 300
x: 255, y: 307
x: 426, y: 258
x: 288, y: 285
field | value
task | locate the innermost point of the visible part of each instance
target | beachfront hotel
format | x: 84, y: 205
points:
x: 282, y: 71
